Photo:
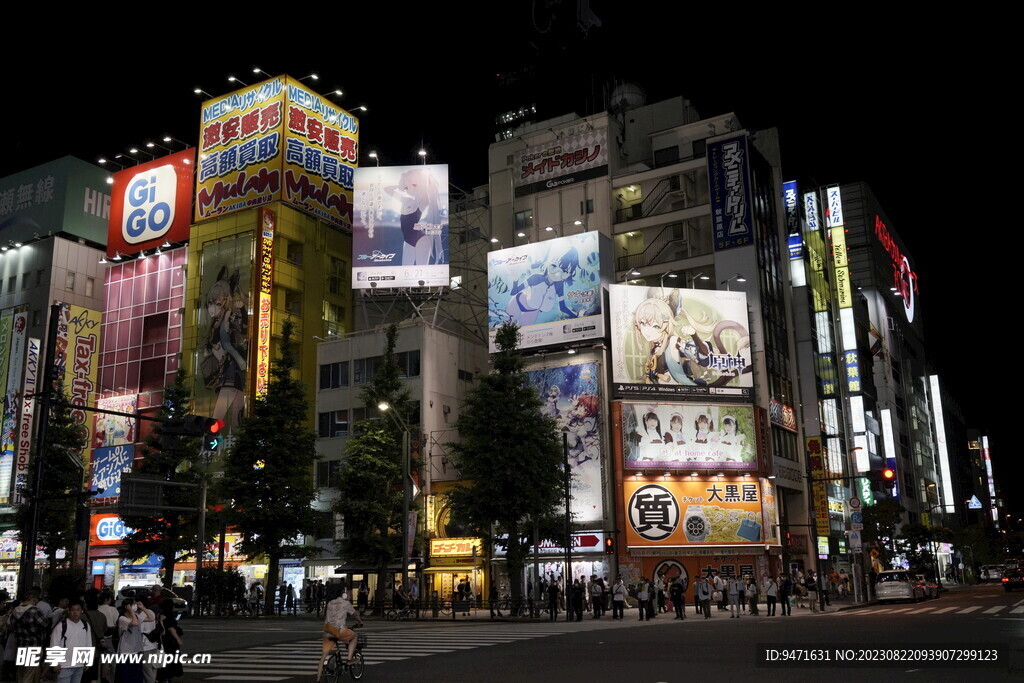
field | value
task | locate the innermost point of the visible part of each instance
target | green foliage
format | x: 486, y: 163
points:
x: 880, y: 523
x: 221, y: 585
x: 171, y: 535
x: 63, y: 474
x: 370, y: 483
x: 64, y: 583
x: 268, y: 485
x: 510, y: 457
x: 915, y: 542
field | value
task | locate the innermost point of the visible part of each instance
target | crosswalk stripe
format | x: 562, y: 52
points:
x: 993, y: 610
x: 968, y: 610
x: 923, y: 610
x: 945, y: 609
x: 1017, y: 610
x: 897, y: 611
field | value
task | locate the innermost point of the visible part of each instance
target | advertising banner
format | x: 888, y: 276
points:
x: 223, y: 330
x: 562, y: 162
x: 82, y: 367
x: 26, y: 420
x: 108, y: 464
x: 732, y: 212
x: 6, y: 325
x: 276, y: 140
x: 680, y: 343
x: 12, y: 398
x: 791, y: 203
x: 265, y: 287
x: 151, y: 203
x: 108, y: 529
x: 718, y: 511
x: 455, y: 547
x: 770, y: 510
x: 572, y: 396
x: 551, y: 289
x: 688, y: 436
x: 115, y: 430
x: 241, y: 144
x: 400, y: 228
x: 817, y: 461
x: 321, y: 152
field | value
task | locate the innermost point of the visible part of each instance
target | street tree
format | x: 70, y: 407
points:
x: 881, y: 521
x: 511, y: 459
x: 370, y: 481
x: 171, y: 458
x: 267, y: 487
x: 63, y: 475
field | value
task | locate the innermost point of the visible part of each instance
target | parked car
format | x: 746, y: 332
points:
x: 992, y: 572
x: 897, y: 584
x: 142, y: 593
x: 1013, y: 579
x: 930, y: 588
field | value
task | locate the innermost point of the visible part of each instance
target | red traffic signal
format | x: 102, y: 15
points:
x: 609, y: 546
x: 888, y: 474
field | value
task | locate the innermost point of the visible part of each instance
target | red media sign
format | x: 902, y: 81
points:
x: 904, y: 279
x: 151, y: 203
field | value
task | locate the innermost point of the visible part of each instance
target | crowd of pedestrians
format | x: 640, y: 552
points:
x: 88, y: 619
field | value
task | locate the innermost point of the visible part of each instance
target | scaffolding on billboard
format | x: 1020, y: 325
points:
x: 461, y: 307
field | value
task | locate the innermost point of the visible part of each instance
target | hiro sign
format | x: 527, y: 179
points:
x: 108, y: 530
x: 151, y: 203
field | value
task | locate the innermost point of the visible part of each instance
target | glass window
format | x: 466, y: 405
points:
x: 524, y: 220
x: 587, y: 206
x: 69, y: 280
x: 90, y: 286
x: 334, y: 375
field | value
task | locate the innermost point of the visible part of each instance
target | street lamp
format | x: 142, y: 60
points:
x: 698, y: 276
x: 738, y: 277
x: 385, y: 408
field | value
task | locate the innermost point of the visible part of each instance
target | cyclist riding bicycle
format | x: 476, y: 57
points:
x: 335, y: 629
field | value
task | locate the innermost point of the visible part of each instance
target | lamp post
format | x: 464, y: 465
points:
x: 935, y: 548
x: 385, y: 408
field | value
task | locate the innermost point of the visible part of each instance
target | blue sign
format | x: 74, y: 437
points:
x: 856, y: 517
x: 852, y: 363
x: 791, y: 202
x: 732, y: 211
x: 974, y: 503
x: 107, y: 466
x: 796, y: 247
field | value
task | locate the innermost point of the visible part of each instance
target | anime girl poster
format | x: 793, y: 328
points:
x: 115, y: 430
x: 551, y: 289
x: 686, y: 342
x: 571, y: 395
x: 222, y: 344
x: 688, y: 436
x: 400, y: 227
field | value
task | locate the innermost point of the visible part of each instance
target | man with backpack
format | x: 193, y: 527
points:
x: 72, y: 632
x: 31, y: 628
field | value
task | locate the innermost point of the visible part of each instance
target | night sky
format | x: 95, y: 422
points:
x: 916, y: 108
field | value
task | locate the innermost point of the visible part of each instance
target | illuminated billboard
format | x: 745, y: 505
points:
x: 276, y: 140
x: 265, y: 287
x: 551, y: 289
x: 680, y: 342
x: 15, y: 364
x: 81, y: 368
x: 563, y: 162
x: 225, y: 287
x: 572, y: 396
x: 400, y: 227
x: 706, y: 512
x: 732, y: 211
x: 115, y: 430
x: 151, y: 204
x: 688, y: 436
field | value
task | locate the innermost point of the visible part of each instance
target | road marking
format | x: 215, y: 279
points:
x: 248, y: 678
x: 923, y: 610
x: 897, y: 611
x: 945, y: 609
x: 993, y: 610
x: 1019, y: 602
x: 968, y: 610
x: 1017, y: 610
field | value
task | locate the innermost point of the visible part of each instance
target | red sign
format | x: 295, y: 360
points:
x: 151, y: 203
x: 904, y: 279
x: 107, y: 530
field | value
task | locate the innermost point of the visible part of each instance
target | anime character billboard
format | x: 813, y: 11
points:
x: 571, y: 395
x: 688, y: 436
x: 680, y: 342
x: 223, y: 341
x: 400, y: 227
x: 115, y: 430
x: 551, y: 289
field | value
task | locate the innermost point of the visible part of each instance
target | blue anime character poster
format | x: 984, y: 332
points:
x: 551, y: 289
x: 571, y: 396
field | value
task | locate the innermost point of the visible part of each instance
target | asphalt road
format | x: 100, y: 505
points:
x: 981, y: 619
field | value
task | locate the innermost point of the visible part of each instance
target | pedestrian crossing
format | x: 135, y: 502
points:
x: 937, y: 609
x: 283, y: 661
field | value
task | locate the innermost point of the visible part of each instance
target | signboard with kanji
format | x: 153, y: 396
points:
x: 455, y: 547
x: 715, y: 511
x: 562, y: 162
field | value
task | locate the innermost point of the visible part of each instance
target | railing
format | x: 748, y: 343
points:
x: 650, y: 253
x: 649, y: 203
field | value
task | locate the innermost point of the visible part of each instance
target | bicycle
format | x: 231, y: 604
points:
x: 337, y: 664
x: 396, y: 613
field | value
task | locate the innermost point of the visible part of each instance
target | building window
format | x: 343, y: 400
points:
x: 333, y: 313
x: 293, y: 301
x: 524, y: 220
x: 587, y: 206
x: 334, y: 375
x: 39, y: 279
x: 328, y: 474
x: 408, y: 366
x: 24, y: 281
x: 666, y: 156
x: 12, y: 283
x: 332, y: 424
x: 465, y: 375
x: 335, y: 275
x: 69, y: 280
x: 293, y: 252
x: 37, y: 317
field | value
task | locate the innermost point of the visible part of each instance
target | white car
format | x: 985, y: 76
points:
x: 897, y: 584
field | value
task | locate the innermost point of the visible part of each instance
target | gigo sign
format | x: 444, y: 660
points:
x: 108, y: 530
x: 151, y: 204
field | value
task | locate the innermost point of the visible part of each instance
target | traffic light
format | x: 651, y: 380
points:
x: 207, y: 428
x: 609, y: 546
x: 885, y: 475
x: 789, y: 540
